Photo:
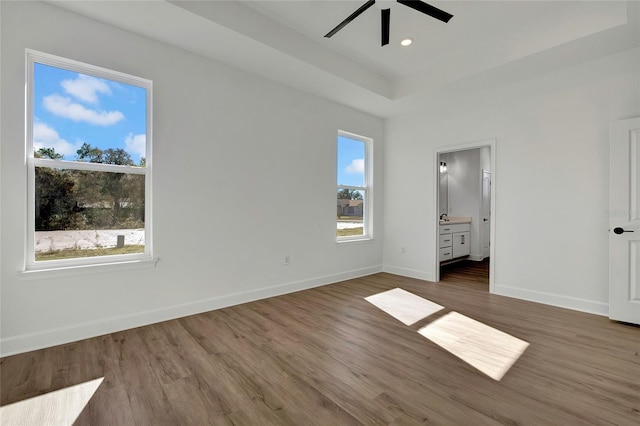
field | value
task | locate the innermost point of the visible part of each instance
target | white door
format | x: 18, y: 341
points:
x: 624, y: 222
x: 485, y: 214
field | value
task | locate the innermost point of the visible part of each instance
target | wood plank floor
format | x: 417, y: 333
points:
x: 327, y: 357
x: 467, y: 271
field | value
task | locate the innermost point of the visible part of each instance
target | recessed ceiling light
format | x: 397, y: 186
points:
x: 406, y: 41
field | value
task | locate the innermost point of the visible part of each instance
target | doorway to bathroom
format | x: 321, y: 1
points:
x: 464, y: 225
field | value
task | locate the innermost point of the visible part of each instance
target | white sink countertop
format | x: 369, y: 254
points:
x: 455, y: 220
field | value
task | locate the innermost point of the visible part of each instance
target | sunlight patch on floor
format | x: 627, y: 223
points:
x: 61, y: 407
x: 404, y: 306
x: 489, y: 350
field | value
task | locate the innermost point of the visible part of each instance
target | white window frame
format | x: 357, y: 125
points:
x: 366, y: 189
x: 33, y: 57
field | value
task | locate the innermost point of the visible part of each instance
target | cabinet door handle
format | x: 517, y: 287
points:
x: 462, y: 241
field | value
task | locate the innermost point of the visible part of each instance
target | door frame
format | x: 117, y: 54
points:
x: 491, y: 143
x: 483, y: 235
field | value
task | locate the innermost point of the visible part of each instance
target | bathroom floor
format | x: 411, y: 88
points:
x: 467, y: 272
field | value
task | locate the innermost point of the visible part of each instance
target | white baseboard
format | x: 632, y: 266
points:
x: 476, y: 257
x: 43, y: 339
x: 583, y: 305
x: 406, y: 272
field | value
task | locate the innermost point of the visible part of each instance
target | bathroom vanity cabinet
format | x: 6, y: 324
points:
x: 454, y: 240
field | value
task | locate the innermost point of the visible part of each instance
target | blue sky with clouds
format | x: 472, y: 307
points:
x: 70, y: 109
x: 350, y: 161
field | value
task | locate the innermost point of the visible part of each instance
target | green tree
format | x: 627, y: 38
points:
x: 89, y: 153
x: 124, y: 192
x: 81, y: 199
x: 48, y: 153
x: 349, y: 194
x: 116, y: 156
x: 55, y: 204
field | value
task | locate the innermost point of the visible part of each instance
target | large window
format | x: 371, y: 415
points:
x: 354, y: 184
x: 89, y: 164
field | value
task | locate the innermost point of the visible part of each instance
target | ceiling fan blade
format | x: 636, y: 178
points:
x: 350, y: 18
x: 427, y: 9
x: 385, y: 16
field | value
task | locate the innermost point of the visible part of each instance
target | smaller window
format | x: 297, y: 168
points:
x: 353, y: 189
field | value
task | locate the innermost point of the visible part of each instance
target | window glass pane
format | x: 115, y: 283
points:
x: 350, y: 213
x: 78, y: 117
x: 83, y: 213
x: 350, y: 161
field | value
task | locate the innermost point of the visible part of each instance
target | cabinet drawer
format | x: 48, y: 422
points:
x: 458, y: 227
x: 446, y: 240
x: 446, y: 253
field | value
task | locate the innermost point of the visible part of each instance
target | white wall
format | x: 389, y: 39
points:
x: 443, y: 207
x: 465, y: 196
x: 485, y: 160
x: 231, y: 152
x: 551, y: 178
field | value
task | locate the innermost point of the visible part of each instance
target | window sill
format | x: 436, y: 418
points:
x: 96, y: 268
x: 349, y: 241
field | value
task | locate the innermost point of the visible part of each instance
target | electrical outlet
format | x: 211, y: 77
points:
x: 287, y: 260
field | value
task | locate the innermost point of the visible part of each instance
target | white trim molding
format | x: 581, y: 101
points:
x: 408, y: 272
x: 567, y: 302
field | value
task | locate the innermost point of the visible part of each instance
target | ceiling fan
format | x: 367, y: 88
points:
x: 385, y: 15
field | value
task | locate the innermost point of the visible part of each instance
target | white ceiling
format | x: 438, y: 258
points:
x: 486, y: 42
x: 477, y: 27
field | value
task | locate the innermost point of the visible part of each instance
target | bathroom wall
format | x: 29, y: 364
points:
x: 464, y: 170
